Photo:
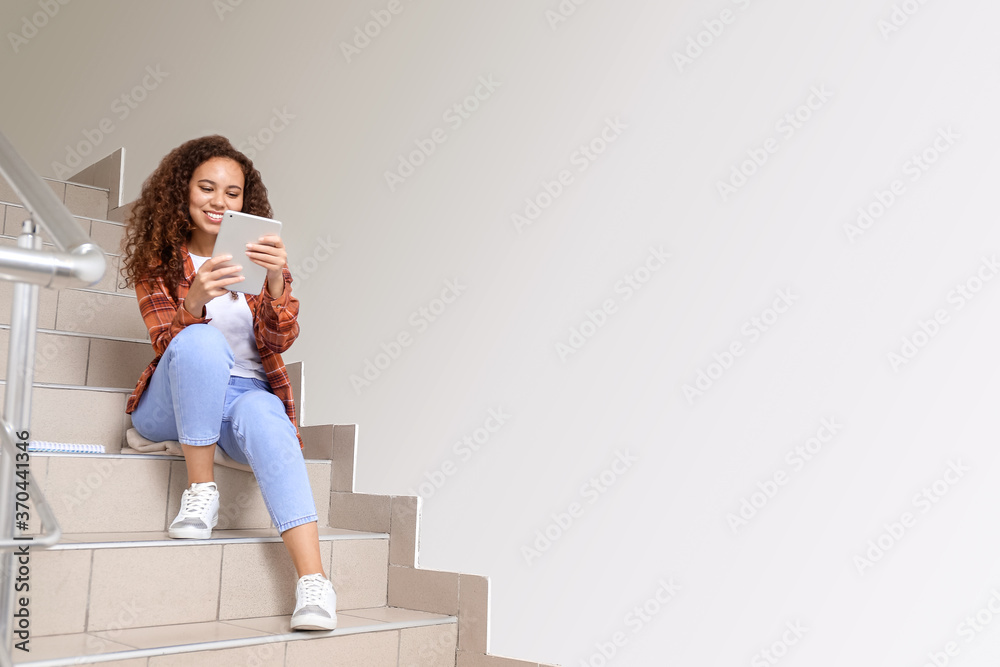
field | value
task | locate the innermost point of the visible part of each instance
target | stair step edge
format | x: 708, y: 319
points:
x: 114, y: 455
x: 90, y: 290
x: 48, y: 246
x: 75, y: 387
x: 81, y: 185
x: 82, y: 217
x: 341, y: 534
x: 375, y: 626
x: 12, y: 204
x: 80, y: 334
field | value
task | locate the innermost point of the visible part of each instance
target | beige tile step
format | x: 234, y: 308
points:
x: 72, y: 413
x: 80, y: 200
x: 373, y: 637
x: 69, y: 358
x: 88, y: 311
x: 105, y: 233
x: 102, y: 493
x: 83, y: 583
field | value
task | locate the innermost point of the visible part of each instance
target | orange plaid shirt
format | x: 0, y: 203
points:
x: 275, y: 328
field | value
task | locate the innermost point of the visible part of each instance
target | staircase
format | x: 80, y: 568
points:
x: 117, y: 590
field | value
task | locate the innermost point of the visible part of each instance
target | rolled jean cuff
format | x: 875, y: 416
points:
x: 198, y: 442
x: 296, y: 522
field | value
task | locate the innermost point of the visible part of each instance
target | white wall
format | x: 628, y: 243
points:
x: 853, y: 300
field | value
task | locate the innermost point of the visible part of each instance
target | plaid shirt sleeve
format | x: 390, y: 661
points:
x: 164, y: 317
x: 276, y: 324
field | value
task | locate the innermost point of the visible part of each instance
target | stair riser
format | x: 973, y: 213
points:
x: 79, y: 416
x: 79, y: 200
x: 82, y: 590
x: 106, y: 494
x: 82, y: 311
x: 85, y: 361
x: 99, y: 313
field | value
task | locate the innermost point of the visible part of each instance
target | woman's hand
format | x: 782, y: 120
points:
x: 210, y: 282
x: 269, y: 252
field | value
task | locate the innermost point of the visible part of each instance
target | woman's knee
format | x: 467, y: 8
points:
x: 199, y: 335
x: 201, y: 343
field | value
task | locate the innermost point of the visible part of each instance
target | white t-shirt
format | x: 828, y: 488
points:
x: 233, y: 318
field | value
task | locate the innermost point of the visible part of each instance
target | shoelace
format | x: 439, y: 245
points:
x: 313, y: 588
x: 196, y: 500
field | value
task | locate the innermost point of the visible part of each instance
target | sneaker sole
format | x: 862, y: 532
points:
x: 188, y: 533
x: 314, y: 622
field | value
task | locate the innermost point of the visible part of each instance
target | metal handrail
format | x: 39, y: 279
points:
x: 78, y: 263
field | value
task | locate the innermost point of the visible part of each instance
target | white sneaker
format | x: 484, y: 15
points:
x: 315, y: 604
x: 199, y: 512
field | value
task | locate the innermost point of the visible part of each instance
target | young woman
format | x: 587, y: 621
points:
x: 218, y: 378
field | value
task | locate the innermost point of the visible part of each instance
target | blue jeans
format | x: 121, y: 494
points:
x: 192, y: 398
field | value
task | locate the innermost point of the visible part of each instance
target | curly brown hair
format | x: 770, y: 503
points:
x: 160, y: 221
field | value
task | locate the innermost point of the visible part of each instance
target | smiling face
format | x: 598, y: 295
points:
x: 216, y: 186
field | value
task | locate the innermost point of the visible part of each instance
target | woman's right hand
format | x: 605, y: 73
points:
x: 210, y: 282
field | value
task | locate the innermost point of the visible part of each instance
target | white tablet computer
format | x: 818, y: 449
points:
x: 236, y: 231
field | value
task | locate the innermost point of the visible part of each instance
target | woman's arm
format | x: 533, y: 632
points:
x: 276, y: 321
x: 163, y: 318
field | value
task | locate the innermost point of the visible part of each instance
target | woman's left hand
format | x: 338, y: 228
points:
x: 269, y: 252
